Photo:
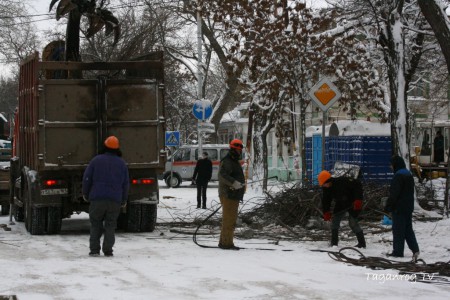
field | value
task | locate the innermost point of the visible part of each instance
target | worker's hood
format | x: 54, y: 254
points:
x: 397, y: 163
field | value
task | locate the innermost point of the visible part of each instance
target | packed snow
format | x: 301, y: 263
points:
x: 167, y: 264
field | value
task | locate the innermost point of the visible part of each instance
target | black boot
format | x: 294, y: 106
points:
x: 361, y: 240
x: 334, y: 237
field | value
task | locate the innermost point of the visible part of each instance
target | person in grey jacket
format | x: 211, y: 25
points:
x: 231, y: 192
x: 400, y: 204
x: 105, y: 186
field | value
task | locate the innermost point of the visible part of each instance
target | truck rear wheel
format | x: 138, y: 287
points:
x: 149, y: 214
x: 54, y: 220
x: 141, y: 217
x: 35, y: 217
x: 5, y: 209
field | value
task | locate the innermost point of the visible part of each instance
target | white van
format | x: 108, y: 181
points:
x: 184, y: 161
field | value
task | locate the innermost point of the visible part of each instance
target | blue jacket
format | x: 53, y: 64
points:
x: 401, y: 195
x: 106, y: 178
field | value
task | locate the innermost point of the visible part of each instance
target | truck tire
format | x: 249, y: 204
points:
x: 5, y: 209
x: 133, y: 218
x: 141, y: 217
x: 148, y: 217
x: 35, y: 217
x: 38, y: 218
x: 173, y: 181
x: 54, y: 220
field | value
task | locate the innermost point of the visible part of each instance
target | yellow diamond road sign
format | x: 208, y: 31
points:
x: 324, y: 93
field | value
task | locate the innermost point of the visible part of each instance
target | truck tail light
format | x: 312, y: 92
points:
x: 52, y: 182
x: 143, y: 181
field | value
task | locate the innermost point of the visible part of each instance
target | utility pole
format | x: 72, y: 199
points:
x: 199, y: 71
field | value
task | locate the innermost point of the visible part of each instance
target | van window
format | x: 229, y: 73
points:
x: 182, y: 155
x: 212, y: 153
x: 223, y: 153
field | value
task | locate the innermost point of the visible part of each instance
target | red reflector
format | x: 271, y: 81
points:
x: 50, y: 182
x: 142, y: 181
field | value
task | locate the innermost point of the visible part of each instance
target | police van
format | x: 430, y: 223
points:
x: 180, y: 166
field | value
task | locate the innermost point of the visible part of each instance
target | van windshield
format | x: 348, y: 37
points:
x: 182, y: 154
x: 212, y: 154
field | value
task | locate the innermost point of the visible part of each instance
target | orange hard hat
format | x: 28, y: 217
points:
x: 112, y: 142
x: 236, y: 144
x: 323, y: 177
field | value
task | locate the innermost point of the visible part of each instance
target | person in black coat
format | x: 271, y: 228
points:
x: 347, y: 194
x: 202, y: 175
x: 438, y: 147
x: 401, y: 204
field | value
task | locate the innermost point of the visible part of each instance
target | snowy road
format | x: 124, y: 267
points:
x: 166, y: 265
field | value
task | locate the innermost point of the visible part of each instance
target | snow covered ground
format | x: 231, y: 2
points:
x: 168, y: 265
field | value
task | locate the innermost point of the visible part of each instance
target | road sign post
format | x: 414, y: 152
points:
x: 201, y: 110
x: 324, y: 93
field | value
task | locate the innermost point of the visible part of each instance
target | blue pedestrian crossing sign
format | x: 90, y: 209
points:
x: 172, y: 138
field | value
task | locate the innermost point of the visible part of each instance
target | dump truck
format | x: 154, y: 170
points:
x: 65, y: 112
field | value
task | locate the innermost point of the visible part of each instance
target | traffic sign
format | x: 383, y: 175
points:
x: 172, y: 138
x: 324, y: 93
x: 202, y: 109
x: 206, y: 127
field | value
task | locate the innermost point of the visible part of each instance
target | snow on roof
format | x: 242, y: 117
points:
x: 353, y: 128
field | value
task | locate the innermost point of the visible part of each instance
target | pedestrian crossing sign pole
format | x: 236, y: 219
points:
x: 172, y: 138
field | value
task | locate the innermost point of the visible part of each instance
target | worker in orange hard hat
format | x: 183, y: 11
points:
x: 323, y: 177
x: 105, y: 186
x: 231, y: 192
x: 347, y: 193
x: 112, y: 142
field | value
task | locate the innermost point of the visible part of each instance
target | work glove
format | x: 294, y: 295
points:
x: 85, y: 199
x: 237, y: 185
x: 357, y: 205
x: 123, y: 204
x: 327, y: 216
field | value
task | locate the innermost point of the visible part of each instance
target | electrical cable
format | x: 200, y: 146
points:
x: 410, y: 267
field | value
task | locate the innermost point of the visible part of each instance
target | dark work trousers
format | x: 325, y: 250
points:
x: 352, y: 222
x: 402, y: 230
x: 103, y: 216
x: 201, y: 193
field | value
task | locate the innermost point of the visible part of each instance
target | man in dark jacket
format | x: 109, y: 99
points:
x: 347, y: 194
x: 401, y: 204
x: 105, y: 185
x: 202, y: 175
x: 231, y: 191
x: 438, y: 145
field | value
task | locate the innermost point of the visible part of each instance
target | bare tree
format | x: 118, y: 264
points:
x: 17, y: 38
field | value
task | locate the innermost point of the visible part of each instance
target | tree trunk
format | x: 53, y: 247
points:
x: 73, y: 40
x: 73, y: 36
x: 438, y: 21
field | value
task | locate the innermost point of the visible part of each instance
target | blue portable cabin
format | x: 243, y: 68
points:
x: 361, y: 143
